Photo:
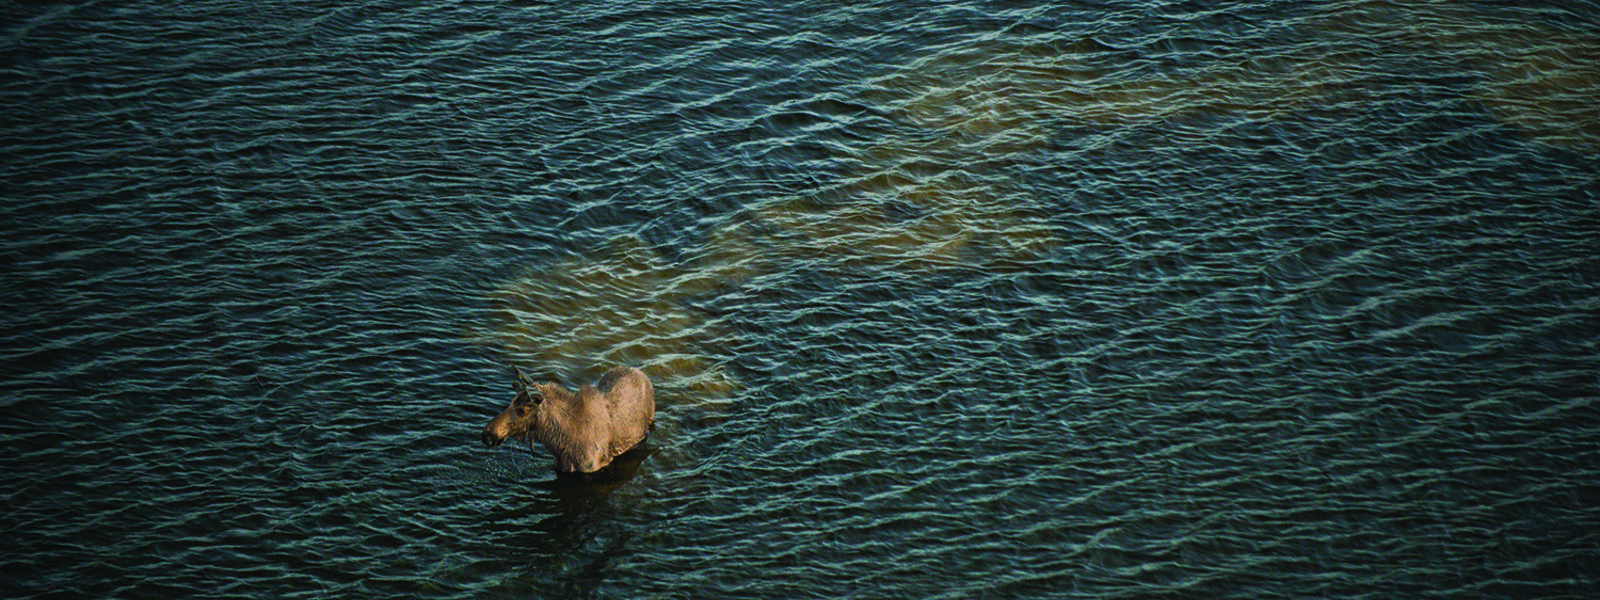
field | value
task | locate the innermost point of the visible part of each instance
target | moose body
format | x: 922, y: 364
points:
x: 586, y: 430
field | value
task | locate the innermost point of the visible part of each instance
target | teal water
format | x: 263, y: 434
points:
x: 943, y: 300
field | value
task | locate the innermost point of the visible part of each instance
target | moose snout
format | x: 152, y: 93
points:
x: 490, y: 439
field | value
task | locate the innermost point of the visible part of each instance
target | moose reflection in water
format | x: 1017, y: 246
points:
x: 583, y: 431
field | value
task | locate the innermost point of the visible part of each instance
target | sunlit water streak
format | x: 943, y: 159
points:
x: 945, y: 301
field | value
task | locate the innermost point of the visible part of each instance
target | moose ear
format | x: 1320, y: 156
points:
x: 522, y: 380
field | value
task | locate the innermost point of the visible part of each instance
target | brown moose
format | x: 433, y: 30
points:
x: 584, y: 431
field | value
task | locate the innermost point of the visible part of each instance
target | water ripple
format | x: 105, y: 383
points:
x: 942, y: 301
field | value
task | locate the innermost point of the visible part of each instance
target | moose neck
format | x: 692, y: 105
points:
x: 555, y: 414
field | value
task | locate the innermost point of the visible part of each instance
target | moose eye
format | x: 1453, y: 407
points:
x: 522, y: 410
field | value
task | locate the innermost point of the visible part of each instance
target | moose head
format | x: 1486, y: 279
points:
x: 519, y: 417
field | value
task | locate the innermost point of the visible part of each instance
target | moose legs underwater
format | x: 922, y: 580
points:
x: 586, y: 430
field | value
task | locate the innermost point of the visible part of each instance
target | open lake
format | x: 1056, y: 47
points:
x: 941, y: 300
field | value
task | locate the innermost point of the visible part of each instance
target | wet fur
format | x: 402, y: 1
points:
x: 586, y: 430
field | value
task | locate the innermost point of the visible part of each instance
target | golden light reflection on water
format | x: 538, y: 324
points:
x: 628, y: 305
x: 1541, y: 80
x: 577, y: 318
x: 1537, y: 78
x: 939, y: 197
x: 1548, y: 92
x: 1017, y: 101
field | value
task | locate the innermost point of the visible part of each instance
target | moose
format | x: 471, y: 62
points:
x: 586, y: 430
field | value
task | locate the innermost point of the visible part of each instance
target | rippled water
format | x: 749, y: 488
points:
x: 949, y: 300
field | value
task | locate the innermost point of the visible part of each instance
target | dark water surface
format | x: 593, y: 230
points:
x: 946, y: 300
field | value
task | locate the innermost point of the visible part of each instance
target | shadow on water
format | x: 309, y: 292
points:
x: 565, y: 531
